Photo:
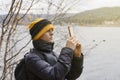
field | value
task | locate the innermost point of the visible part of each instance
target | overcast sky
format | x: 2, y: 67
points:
x: 81, y: 6
x: 92, y: 4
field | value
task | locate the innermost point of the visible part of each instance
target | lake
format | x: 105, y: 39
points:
x: 102, y: 52
x: 100, y: 46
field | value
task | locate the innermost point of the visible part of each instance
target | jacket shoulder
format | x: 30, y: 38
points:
x: 34, y: 54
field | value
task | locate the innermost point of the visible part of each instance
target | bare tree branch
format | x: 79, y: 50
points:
x: 18, y: 51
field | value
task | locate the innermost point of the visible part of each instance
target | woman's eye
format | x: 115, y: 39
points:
x: 48, y: 31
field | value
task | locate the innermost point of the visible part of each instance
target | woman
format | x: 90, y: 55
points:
x: 41, y: 62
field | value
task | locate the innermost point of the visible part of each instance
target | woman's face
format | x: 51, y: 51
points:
x: 48, y: 36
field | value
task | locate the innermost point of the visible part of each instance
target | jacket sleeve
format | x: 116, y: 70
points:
x: 44, y: 70
x: 76, y: 68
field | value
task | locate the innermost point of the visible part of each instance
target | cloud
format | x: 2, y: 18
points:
x: 82, y: 5
x: 92, y: 4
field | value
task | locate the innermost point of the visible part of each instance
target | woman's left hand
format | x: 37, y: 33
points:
x: 78, y: 50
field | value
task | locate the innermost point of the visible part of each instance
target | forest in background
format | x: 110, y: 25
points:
x: 102, y: 16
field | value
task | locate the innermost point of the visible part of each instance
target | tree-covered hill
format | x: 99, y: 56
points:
x: 101, y: 16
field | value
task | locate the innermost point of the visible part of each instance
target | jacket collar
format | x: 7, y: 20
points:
x: 43, y: 45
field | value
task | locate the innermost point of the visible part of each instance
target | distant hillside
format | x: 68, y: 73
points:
x: 30, y: 17
x: 101, y: 16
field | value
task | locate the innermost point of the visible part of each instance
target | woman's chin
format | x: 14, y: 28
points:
x: 50, y: 40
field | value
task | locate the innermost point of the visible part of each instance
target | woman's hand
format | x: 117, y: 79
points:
x: 78, y: 50
x: 74, y: 44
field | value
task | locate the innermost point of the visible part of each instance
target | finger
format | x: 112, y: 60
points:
x: 73, y: 37
x: 78, y: 42
x: 70, y: 38
x: 75, y: 43
x: 73, y: 40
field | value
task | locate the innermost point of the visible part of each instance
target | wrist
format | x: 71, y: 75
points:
x: 77, y: 54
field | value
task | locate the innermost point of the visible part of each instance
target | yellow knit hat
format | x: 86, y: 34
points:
x: 39, y: 27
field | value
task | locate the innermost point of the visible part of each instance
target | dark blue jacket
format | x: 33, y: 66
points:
x: 50, y: 67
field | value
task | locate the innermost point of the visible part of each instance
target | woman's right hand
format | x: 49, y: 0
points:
x: 71, y: 43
